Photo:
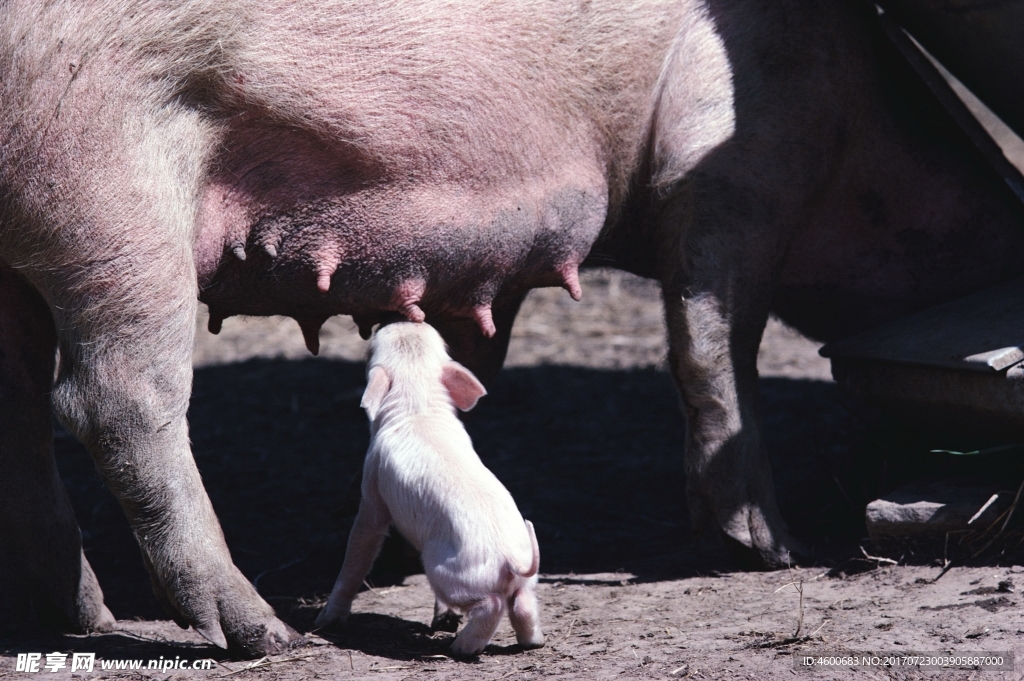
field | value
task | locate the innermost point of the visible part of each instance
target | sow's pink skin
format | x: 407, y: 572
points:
x: 291, y: 235
x: 437, y: 161
x: 299, y: 158
x: 422, y: 475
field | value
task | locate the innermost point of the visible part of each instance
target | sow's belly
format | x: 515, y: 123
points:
x: 307, y: 237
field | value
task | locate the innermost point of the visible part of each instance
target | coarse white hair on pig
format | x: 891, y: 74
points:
x: 423, y: 476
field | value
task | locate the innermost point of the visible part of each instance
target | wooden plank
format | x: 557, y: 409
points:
x: 979, y: 42
x: 966, y: 120
x: 985, y: 406
x: 981, y: 332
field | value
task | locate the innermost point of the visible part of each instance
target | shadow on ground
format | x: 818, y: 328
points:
x: 593, y: 458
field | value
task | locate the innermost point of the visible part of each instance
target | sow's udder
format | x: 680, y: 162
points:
x: 439, y: 252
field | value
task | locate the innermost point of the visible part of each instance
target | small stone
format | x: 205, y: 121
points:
x: 931, y: 509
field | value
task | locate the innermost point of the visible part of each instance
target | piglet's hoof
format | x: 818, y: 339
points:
x: 467, y: 649
x: 532, y: 643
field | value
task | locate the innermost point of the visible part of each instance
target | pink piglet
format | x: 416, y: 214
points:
x: 423, y: 476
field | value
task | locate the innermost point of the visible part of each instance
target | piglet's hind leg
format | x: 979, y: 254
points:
x: 524, y: 613
x: 483, y: 619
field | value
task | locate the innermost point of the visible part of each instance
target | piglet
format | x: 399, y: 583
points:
x: 422, y: 475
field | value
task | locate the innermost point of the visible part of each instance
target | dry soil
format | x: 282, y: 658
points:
x: 583, y: 427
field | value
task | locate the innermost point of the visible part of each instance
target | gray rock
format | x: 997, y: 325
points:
x: 927, y: 510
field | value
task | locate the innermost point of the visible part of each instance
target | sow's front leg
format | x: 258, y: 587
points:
x: 43, y: 571
x: 123, y: 389
x: 120, y: 281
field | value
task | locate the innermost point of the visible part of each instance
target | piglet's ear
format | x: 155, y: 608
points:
x: 377, y: 387
x: 462, y: 385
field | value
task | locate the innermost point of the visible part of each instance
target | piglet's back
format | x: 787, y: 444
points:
x: 437, y: 488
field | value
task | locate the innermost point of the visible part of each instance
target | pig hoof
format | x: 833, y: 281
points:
x: 536, y: 641
x: 228, y: 612
x: 466, y: 649
x: 757, y: 540
x: 90, y: 615
x: 327, y: 618
x: 213, y: 633
x: 447, y: 621
x: 78, y: 610
x: 279, y: 637
x: 787, y: 552
x: 269, y: 639
x: 89, y: 618
x: 104, y: 622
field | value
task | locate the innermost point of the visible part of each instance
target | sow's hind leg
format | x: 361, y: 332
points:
x: 43, y: 571
x: 717, y: 283
x: 728, y: 478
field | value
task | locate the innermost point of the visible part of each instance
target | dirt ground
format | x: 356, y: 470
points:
x: 583, y: 428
